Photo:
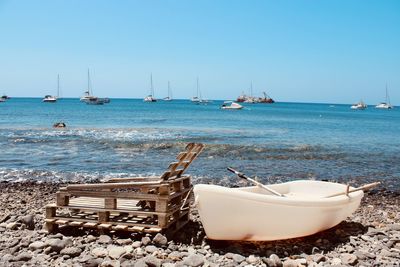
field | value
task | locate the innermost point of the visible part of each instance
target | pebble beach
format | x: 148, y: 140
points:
x: 371, y: 237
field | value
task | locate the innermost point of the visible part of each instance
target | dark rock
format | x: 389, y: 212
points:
x: 24, y: 256
x: 160, y: 240
x: 29, y: 221
x: 56, y: 244
x: 72, y: 251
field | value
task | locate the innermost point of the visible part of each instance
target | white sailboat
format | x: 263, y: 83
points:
x: 386, y: 104
x: 150, y: 97
x: 169, y: 97
x: 50, y: 98
x: 196, y: 99
x: 89, y: 98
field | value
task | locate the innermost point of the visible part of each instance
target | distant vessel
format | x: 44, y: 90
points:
x: 359, y: 105
x: 50, y: 98
x: 169, y: 97
x: 89, y: 98
x: 231, y: 105
x: 386, y: 104
x: 196, y: 99
x: 4, y: 98
x: 150, y: 97
x: 243, y: 98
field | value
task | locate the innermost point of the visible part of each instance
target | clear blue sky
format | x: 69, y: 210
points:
x: 307, y: 51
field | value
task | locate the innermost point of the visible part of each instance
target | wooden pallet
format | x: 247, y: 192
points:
x: 140, y: 204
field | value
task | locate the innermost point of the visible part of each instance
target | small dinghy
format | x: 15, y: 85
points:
x: 279, y: 211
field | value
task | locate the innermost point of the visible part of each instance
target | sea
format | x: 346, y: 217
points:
x: 128, y: 137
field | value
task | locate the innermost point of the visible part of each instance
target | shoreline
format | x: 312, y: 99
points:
x: 370, y: 237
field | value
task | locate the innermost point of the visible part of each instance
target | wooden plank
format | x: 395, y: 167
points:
x: 120, y: 227
x: 105, y: 226
x: 90, y: 224
x: 133, y: 179
x: 126, y: 195
x: 112, y: 185
x: 76, y: 224
x: 61, y: 221
x: 137, y: 228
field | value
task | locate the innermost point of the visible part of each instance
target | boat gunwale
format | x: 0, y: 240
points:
x: 240, y: 194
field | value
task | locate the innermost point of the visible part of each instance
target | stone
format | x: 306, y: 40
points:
x: 90, y: 239
x: 56, y: 244
x: 136, y: 244
x: 93, y: 262
x: 24, y: 256
x: 71, y: 251
x: 238, y: 258
x: 336, y: 261
x: 252, y: 259
x: 140, y: 263
x: 160, y: 240
x: 115, y: 252
x: 12, y: 226
x: 349, y: 259
x: 318, y: 258
x: 124, y: 242
x: 152, y: 261
x: 104, y: 239
x: 394, y: 227
x: 146, y: 240
x: 37, y: 245
x: 273, y: 261
x: 110, y: 263
x: 29, y: 221
x: 290, y: 263
x: 151, y: 249
x: 194, y: 260
x: 175, y: 256
x: 99, y: 252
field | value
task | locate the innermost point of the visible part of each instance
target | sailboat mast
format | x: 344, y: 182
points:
x: 197, y: 86
x: 58, y: 85
x: 251, y: 89
x: 151, y: 85
x: 88, y: 82
x: 169, y: 95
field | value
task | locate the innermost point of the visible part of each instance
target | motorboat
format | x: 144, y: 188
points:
x: 253, y: 214
x: 49, y: 99
x: 386, y: 104
x: 360, y: 105
x: 53, y: 99
x: 231, y: 105
x: 150, y: 97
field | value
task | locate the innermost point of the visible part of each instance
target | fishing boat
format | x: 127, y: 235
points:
x: 50, y: 98
x: 301, y: 208
x: 88, y: 96
x: 266, y: 99
x: 360, y: 105
x: 386, y: 104
x: 4, y: 97
x: 169, y: 97
x: 150, y: 97
x: 231, y: 105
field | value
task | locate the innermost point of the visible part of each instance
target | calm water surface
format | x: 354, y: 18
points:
x: 278, y: 142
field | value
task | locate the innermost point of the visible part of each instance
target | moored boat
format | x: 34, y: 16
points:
x: 150, y: 97
x: 49, y: 99
x: 360, y: 105
x: 231, y: 105
x: 88, y: 96
x: 386, y: 104
x: 253, y: 214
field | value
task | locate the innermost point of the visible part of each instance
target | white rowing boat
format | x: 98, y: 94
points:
x: 254, y: 214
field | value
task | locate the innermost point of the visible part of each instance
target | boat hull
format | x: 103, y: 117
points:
x: 252, y: 214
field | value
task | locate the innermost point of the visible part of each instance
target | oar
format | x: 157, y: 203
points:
x: 364, y: 187
x: 241, y: 175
